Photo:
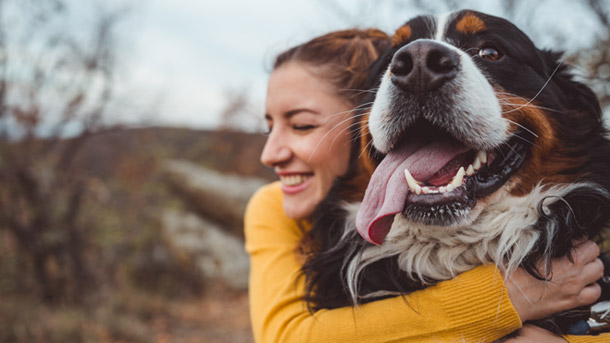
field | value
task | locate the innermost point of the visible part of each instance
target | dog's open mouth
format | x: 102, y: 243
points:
x: 432, y: 178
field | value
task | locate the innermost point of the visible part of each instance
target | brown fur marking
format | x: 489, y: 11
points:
x: 470, y: 24
x: 402, y: 35
x: 548, y: 156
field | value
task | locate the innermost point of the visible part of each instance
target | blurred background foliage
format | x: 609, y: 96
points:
x: 87, y: 249
x: 83, y: 256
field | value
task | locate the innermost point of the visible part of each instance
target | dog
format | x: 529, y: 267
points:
x: 478, y: 148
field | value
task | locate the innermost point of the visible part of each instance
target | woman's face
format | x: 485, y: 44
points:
x: 309, y: 136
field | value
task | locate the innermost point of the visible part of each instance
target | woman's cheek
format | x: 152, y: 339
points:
x: 342, y: 154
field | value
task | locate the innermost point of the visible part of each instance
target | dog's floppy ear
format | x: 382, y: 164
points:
x: 379, y: 67
x: 368, y: 155
x: 579, y: 97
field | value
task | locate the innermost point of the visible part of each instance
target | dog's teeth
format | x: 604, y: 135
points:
x: 470, y: 170
x: 428, y: 190
x: 482, y: 155
x: 442, y: 189
x: 459, y: 177
x: 477, y: 163
x: 450, y: 188
x: 413, y: 186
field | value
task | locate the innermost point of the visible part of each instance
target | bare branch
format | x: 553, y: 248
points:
x: 600, y: 10
x: 52, y: 78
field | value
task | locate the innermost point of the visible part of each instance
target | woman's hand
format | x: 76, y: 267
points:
x: 533, y: 334
x: 572, y: 285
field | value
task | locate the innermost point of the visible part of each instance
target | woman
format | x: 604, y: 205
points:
x: 311, y: 94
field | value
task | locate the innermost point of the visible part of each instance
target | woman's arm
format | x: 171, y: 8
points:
x: 534, y: 334
x: 474, y: 306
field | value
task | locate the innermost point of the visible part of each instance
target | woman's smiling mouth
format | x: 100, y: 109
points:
x: 295, y: 183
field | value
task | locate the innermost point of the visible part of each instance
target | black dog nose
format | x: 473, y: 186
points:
x: 423, y: 66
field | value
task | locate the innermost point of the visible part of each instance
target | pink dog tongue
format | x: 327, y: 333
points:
x: 387, y: 191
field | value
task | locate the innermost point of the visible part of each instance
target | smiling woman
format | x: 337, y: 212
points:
x: 309, y: 136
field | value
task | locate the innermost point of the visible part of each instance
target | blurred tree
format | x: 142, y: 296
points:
x: 596, y: 61
x: 57, y: 74
x: 239, y: 112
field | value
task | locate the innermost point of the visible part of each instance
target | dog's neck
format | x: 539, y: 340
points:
x: 504, y: 234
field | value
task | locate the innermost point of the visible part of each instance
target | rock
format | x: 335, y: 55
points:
x: 217, y: 197
x: 218, y: 254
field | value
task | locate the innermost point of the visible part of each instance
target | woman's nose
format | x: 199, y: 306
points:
x: 276, y: 150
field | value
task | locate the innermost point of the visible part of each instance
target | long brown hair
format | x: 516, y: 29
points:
x: 343, y: 58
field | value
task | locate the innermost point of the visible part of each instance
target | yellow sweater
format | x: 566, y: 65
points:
x: 473, y: 307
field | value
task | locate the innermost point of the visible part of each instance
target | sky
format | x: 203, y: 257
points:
x: 183, y: 56
x: 191, y: 53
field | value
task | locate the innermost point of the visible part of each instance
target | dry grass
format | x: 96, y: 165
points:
x: 130, y: 316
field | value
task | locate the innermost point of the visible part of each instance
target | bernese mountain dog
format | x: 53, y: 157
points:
x: 478, y: 148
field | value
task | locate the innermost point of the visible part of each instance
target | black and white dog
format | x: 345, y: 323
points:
x: 485, y: 150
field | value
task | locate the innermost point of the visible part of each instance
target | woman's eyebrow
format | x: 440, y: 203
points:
x: 292, y: 113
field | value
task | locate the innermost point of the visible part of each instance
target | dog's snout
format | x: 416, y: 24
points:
x: 423, y: 66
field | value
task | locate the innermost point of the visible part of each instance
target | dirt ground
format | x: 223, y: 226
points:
x: 221, y: 318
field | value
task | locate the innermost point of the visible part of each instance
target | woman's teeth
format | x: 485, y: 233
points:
x: 418, y: 187
x: 294, y: 180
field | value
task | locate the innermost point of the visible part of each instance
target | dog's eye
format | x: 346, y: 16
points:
x: 489, y: 53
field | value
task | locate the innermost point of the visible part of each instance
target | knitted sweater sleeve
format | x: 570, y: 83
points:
x: 473, y: 307
x: 603, y: 338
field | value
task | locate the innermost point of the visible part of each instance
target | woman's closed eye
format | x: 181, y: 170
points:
x: 303, y: 127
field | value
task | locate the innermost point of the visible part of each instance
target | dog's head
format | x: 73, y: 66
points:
x: 468, y: 111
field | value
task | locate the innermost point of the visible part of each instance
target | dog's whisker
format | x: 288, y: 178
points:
x: 359, y: 91
x: 541, y: 89
x: 329, y: 132
x: 509, y: 96
x: 355, y: 109
x: 525, y: 140
x: 361, y: 123
x: 344, y: 129
x: 500, y: 151
x: 511, y: 148
x: 530, y: 106
x: 368, y: 145
x: 523, y: 127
